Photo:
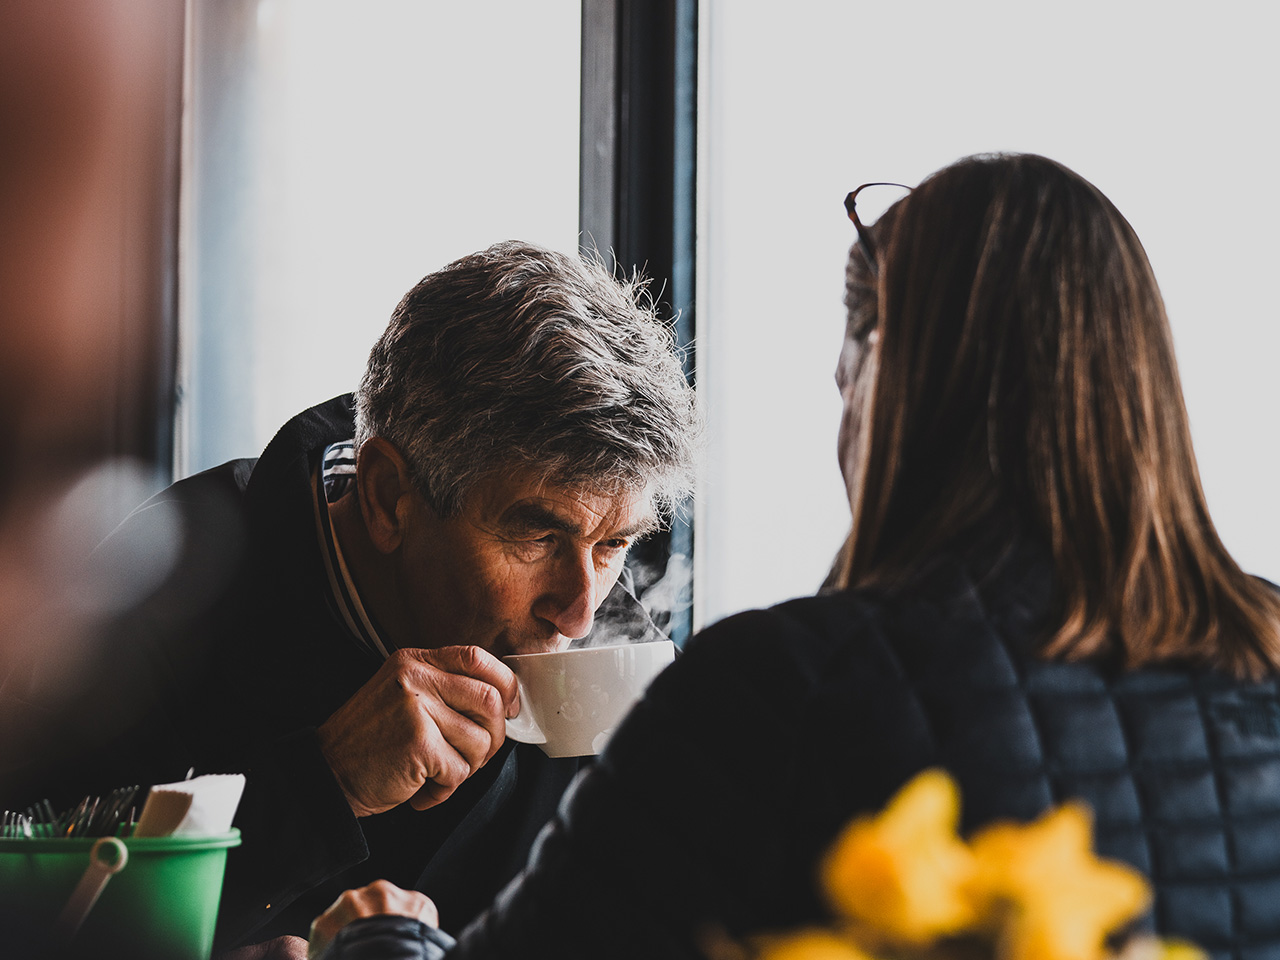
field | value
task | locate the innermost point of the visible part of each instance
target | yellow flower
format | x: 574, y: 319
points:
x: 1180, y: 950
x: 1061, y: 901
x: 903, y: 874
x: 810, y: 945
x: 1146, y: 947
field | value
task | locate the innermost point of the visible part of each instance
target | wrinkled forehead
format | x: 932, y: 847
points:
x: 535, y: 499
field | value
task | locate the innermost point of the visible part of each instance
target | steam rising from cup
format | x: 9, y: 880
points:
x: 660, y: 592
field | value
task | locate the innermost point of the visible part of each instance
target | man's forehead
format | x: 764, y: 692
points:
x: 626, y: 520
x: 516, y: 503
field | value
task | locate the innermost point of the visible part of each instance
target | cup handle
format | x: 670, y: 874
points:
x: 522, y: 727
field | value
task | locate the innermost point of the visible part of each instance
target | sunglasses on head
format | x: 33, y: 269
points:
x: 864, y: 235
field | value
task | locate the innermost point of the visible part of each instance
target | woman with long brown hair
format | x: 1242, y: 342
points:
x: 1032, y: 596
x: 1024, y: 373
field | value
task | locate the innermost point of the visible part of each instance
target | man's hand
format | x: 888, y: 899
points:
x: 281, y: 948
x: 379, y: 897
x: 426, y: 721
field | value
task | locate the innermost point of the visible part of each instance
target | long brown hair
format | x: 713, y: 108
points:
x: 1022, y: 362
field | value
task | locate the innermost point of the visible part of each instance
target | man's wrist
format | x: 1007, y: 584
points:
x: 328, y: 750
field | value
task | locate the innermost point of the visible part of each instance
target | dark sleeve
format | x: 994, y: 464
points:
x: 187, y: 652
x: 689, y: 825
x: 297, y: 830
x: 388, y: 938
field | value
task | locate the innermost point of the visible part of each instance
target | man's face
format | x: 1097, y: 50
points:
x: 522, y: 569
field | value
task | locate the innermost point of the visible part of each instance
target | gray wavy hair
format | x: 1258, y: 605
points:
x: 518, y: 357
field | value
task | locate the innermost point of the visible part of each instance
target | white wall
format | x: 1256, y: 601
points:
x: 339, y: 152
x: 1169, y: 108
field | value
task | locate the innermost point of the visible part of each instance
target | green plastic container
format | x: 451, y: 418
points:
x: 162, y: 903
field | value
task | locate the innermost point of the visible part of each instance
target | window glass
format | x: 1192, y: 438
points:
x: 337, y: 153
x: 1166, y: 108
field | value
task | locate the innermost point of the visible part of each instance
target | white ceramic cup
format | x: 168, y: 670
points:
x: 571, y: 700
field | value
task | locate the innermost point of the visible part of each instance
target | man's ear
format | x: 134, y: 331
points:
x: 385, y: 488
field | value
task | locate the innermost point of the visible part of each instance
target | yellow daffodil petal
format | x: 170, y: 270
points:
x: 810, y: 945
x: 1181, y: 950
x: 1060, y: 899
x: 904, y: 873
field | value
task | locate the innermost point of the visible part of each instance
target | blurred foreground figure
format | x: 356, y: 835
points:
x: 83, y: 94
x: 1032, y: 597
x: 82, y: 97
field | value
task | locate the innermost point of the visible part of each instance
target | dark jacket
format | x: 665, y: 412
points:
x: 232, y: 665
x: 719, y: 793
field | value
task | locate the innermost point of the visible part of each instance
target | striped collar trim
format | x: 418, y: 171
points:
x: 346, y: 598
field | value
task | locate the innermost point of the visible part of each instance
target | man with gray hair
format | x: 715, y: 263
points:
x: 521, y: 422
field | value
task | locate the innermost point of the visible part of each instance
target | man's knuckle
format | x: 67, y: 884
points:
x: 470, y: 658
x: 490, y: 700
x: 348, y: 899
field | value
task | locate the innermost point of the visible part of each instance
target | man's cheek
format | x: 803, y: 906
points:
x: 606, y: 583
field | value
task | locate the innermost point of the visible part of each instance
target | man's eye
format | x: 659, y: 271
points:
x: 533, y: 548
x: 524, y: 538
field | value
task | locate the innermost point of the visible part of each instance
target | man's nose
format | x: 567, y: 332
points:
x: 570, y: 603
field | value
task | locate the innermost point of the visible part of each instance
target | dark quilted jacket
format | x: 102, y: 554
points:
x: 718, y: 794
